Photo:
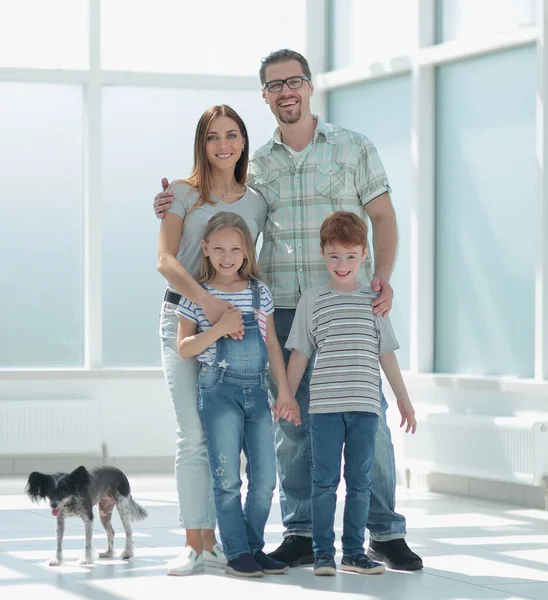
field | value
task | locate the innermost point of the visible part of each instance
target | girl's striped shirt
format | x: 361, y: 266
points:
x: 242, y: 300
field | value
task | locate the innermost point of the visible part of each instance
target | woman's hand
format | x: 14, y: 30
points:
x: 214, y: 308
x: 231, y: 322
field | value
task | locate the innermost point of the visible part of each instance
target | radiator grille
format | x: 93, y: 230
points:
x: 500, y: 449
x: 49, y: 427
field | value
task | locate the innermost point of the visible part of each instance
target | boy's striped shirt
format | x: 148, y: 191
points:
x: 348, y: 339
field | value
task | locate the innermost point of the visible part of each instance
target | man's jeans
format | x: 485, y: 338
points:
x: 294, y: 463
x: 329, y: 434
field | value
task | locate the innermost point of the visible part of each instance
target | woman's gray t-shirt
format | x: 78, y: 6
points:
x: 251, y: 206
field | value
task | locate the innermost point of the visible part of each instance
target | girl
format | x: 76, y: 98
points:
x: 217, y: 183
x: 233, y: 389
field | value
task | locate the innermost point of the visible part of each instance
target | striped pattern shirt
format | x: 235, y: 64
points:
x: 338, y: 170
x: 242, y: 300
x: 348, y: 339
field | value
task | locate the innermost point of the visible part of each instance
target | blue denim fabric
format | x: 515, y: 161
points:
x: 384, y: 523
x: 233, y: 406
x: 329, y: 433
x: 293, y: 453
x: 294, y: 463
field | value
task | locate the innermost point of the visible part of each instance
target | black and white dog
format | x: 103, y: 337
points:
x: 74, y: 495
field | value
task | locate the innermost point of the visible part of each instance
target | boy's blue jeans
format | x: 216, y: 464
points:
x: 294, y: 463
x: 329, y: 433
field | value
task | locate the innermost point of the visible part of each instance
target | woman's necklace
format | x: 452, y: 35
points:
x: 225, y: 195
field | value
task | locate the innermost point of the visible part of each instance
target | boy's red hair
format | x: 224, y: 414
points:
x: 343, y: 228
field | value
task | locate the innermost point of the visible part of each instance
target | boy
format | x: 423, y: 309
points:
x: 336, y: 320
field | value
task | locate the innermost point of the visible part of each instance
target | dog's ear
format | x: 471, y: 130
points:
x: 36, y: 486
x: 80, y: 477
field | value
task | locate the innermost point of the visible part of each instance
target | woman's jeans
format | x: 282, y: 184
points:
x: 329, y: 433
x: 294, y: 463
x: 192, y: 474
x: 233, y: 405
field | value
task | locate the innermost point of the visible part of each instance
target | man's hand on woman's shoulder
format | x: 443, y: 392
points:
x: 163, y: 200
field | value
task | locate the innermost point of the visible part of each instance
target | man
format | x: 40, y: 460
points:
x: 306, y: 171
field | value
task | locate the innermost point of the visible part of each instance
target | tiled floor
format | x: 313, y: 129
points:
x: 472, y: 551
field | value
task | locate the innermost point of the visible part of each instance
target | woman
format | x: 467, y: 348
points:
x: 217, y: 183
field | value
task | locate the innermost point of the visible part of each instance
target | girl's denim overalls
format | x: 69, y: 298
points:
x: 234, y: 408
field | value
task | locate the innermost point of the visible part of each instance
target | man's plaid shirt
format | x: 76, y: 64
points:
x: 338, y: 170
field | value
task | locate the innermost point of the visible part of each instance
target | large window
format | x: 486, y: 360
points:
x: 41, y: 199
x: 462, y: 19
x: 363, y: 31
x: 48, y: 34
x: 382, y: 111
x: 485, y: 215
x: 198, y: 37
x: 146, y: 132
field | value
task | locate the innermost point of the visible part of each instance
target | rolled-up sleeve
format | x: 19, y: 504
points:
x: 371, y: 179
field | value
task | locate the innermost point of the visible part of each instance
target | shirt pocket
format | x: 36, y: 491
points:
x: 329, y: 180
x: 269, y: 186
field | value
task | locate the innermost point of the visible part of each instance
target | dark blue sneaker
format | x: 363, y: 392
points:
x: 325, y: 565
x: 244, y: 566
x: 361, y: 563
x: 270, y: 565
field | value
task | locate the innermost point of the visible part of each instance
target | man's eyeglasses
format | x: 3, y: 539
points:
x: 293, y: 83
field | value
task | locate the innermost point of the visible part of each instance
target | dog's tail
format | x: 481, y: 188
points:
x: 136, y: 511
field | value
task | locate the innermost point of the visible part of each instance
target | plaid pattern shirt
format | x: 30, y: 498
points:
x: 338, y: 170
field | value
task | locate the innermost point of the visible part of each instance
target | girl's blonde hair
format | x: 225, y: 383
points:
x: 223, y: 220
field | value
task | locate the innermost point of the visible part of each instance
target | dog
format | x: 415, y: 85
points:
x: 74, y: 495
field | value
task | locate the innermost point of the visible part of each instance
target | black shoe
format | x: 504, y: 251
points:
x: 294, y: 551
x: 396, y: 554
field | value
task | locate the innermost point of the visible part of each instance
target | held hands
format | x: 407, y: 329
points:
x: 163, y: 200
x: 383, y: 304
x: 231, y: 322
x: 407, y: 413
x: 286, y: 407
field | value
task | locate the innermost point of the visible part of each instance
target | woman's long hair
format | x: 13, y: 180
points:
x: 200, y: 178
x: 222, y: 220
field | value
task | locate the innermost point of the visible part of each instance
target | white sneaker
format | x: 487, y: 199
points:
x: 216, y: 558
x: 186, y: 563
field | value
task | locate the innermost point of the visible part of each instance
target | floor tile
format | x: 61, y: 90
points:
x: 536, y: 591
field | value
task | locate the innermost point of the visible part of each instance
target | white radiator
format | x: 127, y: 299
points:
x: 49, y: 427
x: 503, y: 449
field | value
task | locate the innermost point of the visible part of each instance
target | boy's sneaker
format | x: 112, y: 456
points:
x: 244, y: 566
x: 361, y: 563
x: 294, y: 551
x: 270, y: 565
x: 216, y: 558
x: 396, y: 554
x: 325, y: 565
x: 186, y: 563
